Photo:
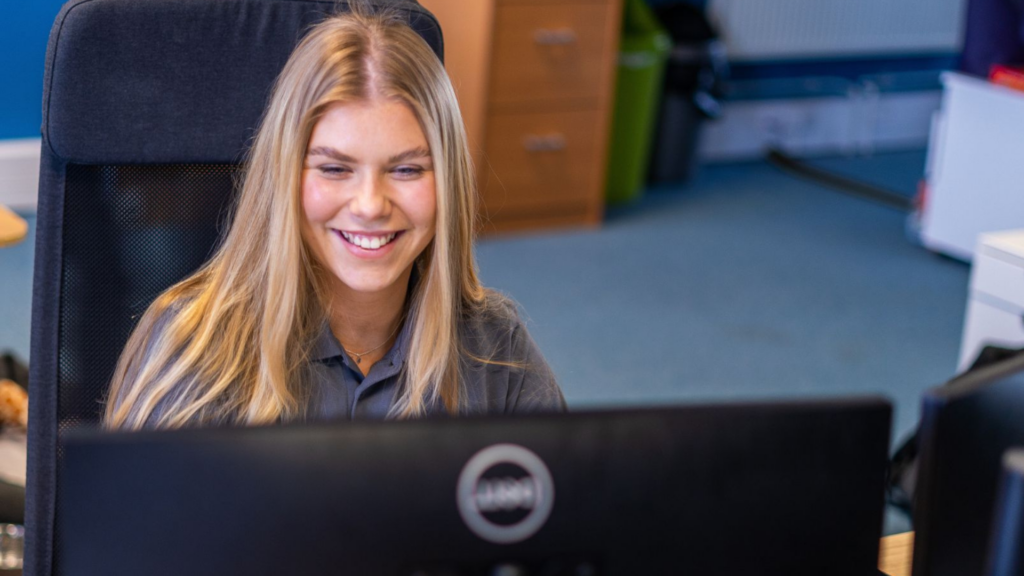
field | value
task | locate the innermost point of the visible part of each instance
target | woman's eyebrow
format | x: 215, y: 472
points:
x: 342, y: 157
x: 329, y: 152
x: 409, y: 155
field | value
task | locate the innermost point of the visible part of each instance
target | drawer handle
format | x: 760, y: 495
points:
x: 559, y: 37
x: 549, y: 143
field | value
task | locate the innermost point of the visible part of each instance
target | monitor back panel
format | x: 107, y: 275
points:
x: 965, y: 429
x: 793, y: 488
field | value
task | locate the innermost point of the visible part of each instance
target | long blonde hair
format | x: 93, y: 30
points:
x: 229, y: 343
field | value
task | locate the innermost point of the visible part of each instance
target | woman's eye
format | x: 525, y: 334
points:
x: 408, y: 172
x: 333, y: 171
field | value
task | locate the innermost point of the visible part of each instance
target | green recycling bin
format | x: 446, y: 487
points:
x: 643, y: 54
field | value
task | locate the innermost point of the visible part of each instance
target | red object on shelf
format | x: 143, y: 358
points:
x: 1009, y: 76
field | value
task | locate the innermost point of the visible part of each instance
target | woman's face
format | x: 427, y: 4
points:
x: 368, y: 194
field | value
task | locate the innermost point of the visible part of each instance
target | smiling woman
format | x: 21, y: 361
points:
x: 368, y: 194
x: 346, y: 286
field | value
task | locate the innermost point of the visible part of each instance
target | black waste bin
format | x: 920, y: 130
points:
x: 697, y: 68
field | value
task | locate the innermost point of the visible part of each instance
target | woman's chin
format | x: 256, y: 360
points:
x: 370, y: 283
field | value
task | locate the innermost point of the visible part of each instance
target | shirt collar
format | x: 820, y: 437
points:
x: 326, y: 346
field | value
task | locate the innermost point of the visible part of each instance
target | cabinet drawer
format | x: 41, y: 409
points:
x: 989, y: 324
x: 549, y: 52
x: 998, y: 278
x: 540, y: 162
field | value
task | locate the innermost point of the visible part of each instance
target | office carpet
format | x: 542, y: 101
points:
x: 746, y: 283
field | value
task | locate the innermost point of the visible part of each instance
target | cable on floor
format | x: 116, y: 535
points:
x: 839, y: 182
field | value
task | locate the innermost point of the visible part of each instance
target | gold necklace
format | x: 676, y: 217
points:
x: 359, y: 355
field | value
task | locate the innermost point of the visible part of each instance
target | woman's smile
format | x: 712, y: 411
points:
x: 368, y: 244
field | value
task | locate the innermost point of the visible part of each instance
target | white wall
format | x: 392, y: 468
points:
x: 781, y: 29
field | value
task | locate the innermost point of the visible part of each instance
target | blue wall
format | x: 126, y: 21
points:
x: 24, y: 30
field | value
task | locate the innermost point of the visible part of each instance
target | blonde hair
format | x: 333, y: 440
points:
x: 219, y: 347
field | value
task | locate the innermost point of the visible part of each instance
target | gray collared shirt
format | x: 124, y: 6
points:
x: 338, y: 389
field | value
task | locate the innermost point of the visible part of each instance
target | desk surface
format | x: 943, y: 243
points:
x: 896, y: 553
x: 12, y: 228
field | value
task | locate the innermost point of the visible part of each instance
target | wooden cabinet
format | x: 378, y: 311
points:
x: 535, y: 81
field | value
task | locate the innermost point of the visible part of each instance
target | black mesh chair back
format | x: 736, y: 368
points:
x: 148, y: 108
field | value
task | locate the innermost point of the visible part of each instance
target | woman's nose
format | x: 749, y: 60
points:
x: 371, y: 200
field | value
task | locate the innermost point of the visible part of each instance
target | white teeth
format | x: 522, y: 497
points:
x: 368, y: 243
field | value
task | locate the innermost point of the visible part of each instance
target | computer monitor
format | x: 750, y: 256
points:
x: 788, y: 488
x: 966, y: 426
x: 1006, y: 543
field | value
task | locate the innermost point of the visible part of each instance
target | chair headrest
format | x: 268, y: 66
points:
x: 123, y: 76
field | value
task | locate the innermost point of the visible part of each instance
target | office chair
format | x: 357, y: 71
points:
x: 148, y: 107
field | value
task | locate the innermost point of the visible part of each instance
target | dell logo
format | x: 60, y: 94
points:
x: 505, y: 494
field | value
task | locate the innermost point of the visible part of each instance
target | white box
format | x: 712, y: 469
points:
x: 995, y: 306
x: 19, y: 173
x: 975, y: 159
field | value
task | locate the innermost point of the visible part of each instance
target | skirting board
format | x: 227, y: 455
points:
x: 19, y: 173
x: 819, y: 126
